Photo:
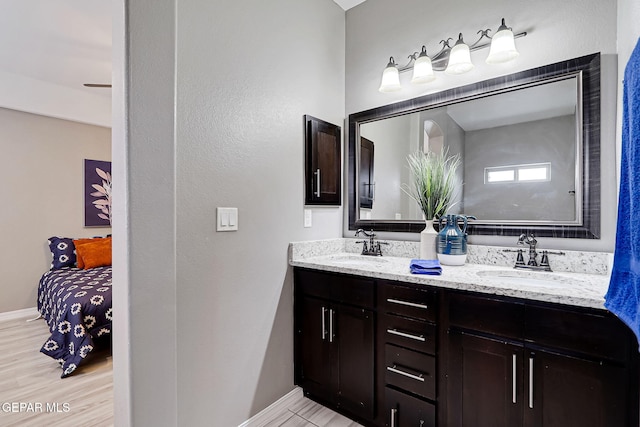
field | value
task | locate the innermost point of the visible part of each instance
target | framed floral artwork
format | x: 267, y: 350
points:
x: 97, y: 193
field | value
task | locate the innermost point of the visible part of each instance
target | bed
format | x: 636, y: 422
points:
x: 76, y: 304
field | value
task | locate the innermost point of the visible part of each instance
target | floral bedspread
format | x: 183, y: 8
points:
x: 76, y: 305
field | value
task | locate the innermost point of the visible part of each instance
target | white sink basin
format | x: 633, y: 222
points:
x: 358, y: 260
x: 530, y: 278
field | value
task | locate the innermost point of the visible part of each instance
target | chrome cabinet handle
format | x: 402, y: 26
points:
x: 513, y: 383
x: 531, y: 382
x: 331, y: 325
x: 324, y: 329
x: 394, y: 411
x: 406, y: 374
x: 317, y: 193
x: 373, y: 197
x: 406, y: 335
x: 410, y: 304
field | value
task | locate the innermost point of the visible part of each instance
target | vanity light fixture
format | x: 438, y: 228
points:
x: 459, y: 58
x: 452, y: 60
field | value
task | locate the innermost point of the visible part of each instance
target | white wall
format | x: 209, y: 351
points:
x: 557, y: 31
x: 42, y: 171
x: 217, y: 92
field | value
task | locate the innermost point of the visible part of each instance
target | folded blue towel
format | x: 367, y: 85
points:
x: 623, y: 296
x: 425, y: 266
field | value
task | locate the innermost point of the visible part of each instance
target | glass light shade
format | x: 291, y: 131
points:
x: 459, y: 58
x: 422, y: 69
x: 390, y: 78
x: 503, y: 46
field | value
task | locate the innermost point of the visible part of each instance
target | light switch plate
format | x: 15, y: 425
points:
x: 308, y: 216
x: 227, y: 219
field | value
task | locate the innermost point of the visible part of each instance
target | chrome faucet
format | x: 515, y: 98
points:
x: 533, y: 254
x: 532, y: 242
x: 374, y: 247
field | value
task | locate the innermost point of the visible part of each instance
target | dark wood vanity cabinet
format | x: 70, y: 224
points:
x: 323, y: 162
x: 334, y: 340
x: 399, y: 355
x: 515, y: 363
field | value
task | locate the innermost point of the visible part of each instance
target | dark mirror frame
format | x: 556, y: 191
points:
x: 588, y: 66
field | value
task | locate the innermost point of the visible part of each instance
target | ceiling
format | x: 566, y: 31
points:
x: 348, y: 4
x: 49, y: 49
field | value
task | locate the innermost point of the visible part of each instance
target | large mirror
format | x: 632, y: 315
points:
x: 529, y: 144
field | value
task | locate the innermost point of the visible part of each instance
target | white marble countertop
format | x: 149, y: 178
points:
x: 578, y: 289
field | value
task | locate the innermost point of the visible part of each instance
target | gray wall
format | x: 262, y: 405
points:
x: 148, y: 366
x: 377, y: 29
x: 42, y: 171
x: 216, y: 97
x: 540, y: 141
x: 392, y: 144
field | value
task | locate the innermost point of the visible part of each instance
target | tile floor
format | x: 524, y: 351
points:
x: 295, y: 410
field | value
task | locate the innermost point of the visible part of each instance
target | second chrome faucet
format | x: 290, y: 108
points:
x: 532, y: 264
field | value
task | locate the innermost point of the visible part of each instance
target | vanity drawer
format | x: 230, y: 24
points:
x: 488, y: 315
x: 411, y: 333
x: 405, y: 301
x: 410, y: 371
x: 590, y: 333
x: 405, y: 410
x: 351, y: 290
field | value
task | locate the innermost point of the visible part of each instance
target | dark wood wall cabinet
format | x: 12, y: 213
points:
x: 323, y: 184
x: 399, y: 355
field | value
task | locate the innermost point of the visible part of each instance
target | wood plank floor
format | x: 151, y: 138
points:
x: 28, y: 376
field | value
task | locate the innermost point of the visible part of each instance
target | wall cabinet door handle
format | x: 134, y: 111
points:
x: 407, y: 303
x: 406, y: 335
x: 324, y: 328
x: 394, y: 412
x: 395, y: 370
x: 514, y: 373
x: 531, y: 382
x: 317, y: 192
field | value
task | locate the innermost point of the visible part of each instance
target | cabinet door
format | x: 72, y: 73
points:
x: 313, y: 370
x: 572, y: 392
x: 485, y: 382
x: 367, y: 183
x: 354, y: 341
x: 323, y: 162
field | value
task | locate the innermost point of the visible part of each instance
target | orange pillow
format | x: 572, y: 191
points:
x: 96, y: 253
x: 78, y: 242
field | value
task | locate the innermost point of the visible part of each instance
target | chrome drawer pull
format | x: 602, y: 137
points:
x: 394, y: 411
x: 406, y: 374
x: 406, y: 335
x: 531, y: 382
x: 513, y: 381
x: 324, y: 329
x: 410, y: 304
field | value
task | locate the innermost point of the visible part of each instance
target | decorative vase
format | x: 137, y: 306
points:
x: 428, y: 241
x: 451, y: 243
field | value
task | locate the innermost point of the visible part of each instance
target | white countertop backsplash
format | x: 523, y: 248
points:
x: 582, y: 277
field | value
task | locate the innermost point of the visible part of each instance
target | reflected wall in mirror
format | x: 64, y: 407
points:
x: 529, y: 144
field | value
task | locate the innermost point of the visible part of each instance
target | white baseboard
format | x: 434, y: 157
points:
x: 17, y: 314
x: 278, y: 406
